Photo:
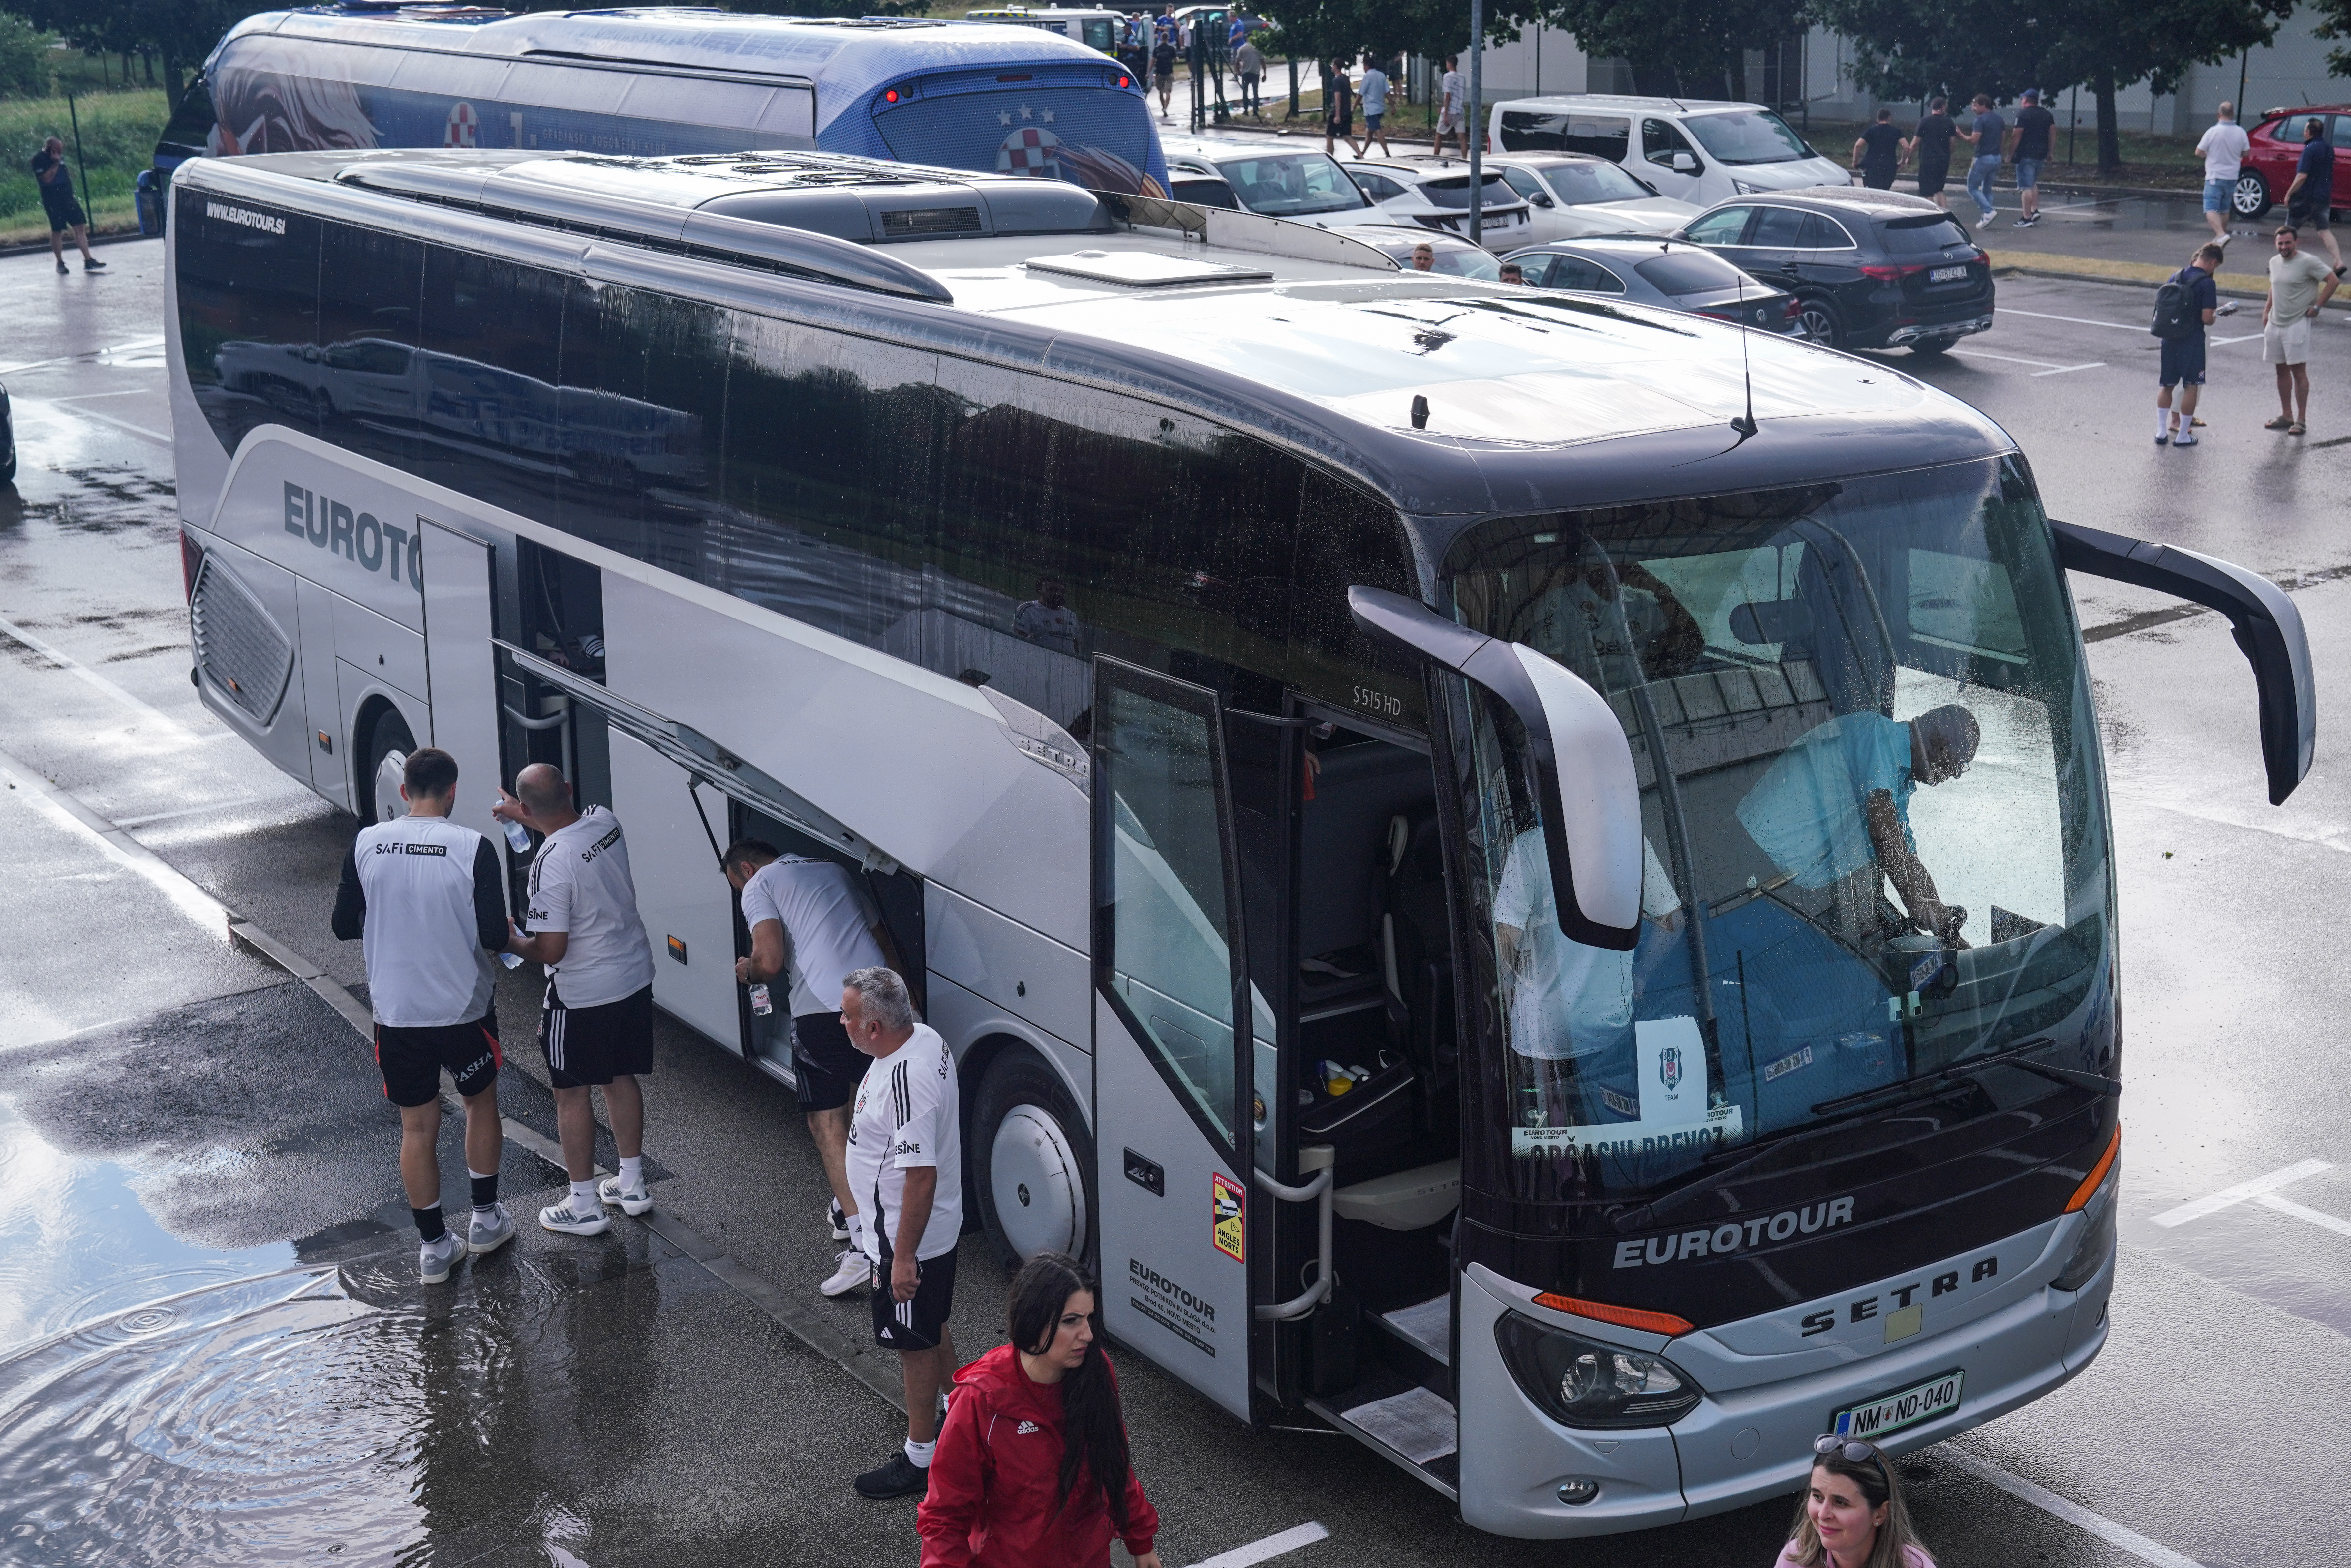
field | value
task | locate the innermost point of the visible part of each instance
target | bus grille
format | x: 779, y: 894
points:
x: 239, y: 647
x: 914, y: 221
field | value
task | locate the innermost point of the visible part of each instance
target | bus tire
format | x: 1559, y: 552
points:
x: 1032, y: 1160
x: 388, y: 745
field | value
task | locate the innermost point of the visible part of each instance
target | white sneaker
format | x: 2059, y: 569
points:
x: 488, y: 1235
x: 436, y: 1259
x: 562, y: 1216
x: 851, y: 1271
x: 627, y: 1202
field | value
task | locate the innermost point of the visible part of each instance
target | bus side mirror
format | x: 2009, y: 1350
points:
x: 1583, y: 764
x: 2268, y: 629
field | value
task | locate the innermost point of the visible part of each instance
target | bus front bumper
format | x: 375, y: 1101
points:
x: 1753, y: 1442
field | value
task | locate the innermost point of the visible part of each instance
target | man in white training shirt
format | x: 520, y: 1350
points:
x: 813, y: 919
x: 425, y: 894
x: 906, y: 1164
x: 596, y: 1026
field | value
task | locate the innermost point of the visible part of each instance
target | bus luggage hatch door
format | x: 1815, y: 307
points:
x: 461, y: 669
x: 1171, y: 1073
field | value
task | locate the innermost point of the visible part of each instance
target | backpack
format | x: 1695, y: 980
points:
x: 2176, y: 314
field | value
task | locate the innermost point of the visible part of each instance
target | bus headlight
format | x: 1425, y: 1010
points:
x: 1582, y: 1383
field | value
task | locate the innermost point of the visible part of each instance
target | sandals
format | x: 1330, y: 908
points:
x: 2294, y: 429
x: 2281, y: 423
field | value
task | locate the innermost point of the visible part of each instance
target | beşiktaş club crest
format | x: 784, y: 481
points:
x: 1670, y: 1066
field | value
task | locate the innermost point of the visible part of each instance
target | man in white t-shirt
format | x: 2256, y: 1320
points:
x: 596, y: 1025
x: 1566, y: 1000
x: 906, y: 1162
x: 1452, y: 103
x: 1047, y: 620
x: 2223, y: 147
x: 814, y: 920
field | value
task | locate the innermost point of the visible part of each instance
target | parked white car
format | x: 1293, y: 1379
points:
x: 1691, y: 150
x: 1573, y: 196
x: 1292, y: 179
x: 1438, y: 197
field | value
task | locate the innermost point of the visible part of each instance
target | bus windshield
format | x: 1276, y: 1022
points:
x: 1875, y: 847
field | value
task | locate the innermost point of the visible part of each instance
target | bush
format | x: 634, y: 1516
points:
x: 23, y: 58
x: 117, y: 141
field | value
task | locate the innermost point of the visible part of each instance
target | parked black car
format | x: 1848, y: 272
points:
x: 1671, y: 273
x: 7, y: 440
x: 1870, y: 269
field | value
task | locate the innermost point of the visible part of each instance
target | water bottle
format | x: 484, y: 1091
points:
x: 511, y: 960
x: 760, y: 1002
x: 518, y: 835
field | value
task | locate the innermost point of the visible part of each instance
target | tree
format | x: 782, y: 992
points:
x: 1697, y: 47
x: 23, y: 58
x: 2002, y: 47
x: 2333, y: 22
x: 1317, y: 29
x: 180, y: 32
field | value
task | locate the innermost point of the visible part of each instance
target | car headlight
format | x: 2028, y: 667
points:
x: 2098, y: 1243
x: 1744, y: 189
x: 1582, y: 1383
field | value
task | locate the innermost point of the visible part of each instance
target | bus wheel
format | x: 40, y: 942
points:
x: 389, y: 743
x: 1035, y: 1160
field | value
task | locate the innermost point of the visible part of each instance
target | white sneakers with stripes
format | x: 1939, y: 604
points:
x: 852, y: 1271
x: 627, y: 1201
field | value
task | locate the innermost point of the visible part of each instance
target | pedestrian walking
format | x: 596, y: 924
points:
x: 1452, y: 105
x: 1932, y: 143
x: 1162, y: 60
x: 596, y: 1020
x: 1032, y: 1468
x: 2311, y: 198
x: 1984, y: 133
x: 1374, y: 94
x: 1852, y: 1514
x: 1878, y: 153
x: 2036, y: 127
x: 2184, y: 307
x: 813, y: 920
x: 1338, y: 106
x: 2300, y: 287
x: 1250, y: 63
x: 55, y: 181
x: 906, y: 1164
x: 2223, y: 147
x: 424, y: 897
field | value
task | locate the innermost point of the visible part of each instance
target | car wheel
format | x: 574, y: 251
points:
x: 1033, y: 1158
x: 1817, y: 322
x: 389, y: 743
x: 2249, y: 198
x: 1932, y: 348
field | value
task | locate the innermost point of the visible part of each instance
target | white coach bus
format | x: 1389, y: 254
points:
x: 1524, y: 892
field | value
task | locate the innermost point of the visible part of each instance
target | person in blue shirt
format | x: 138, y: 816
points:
x: 1988, y: 131
x: 2183, y: 356
x: 2308, y: 199
x: 1839, y: 800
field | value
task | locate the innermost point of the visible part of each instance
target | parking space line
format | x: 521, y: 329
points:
x: 2047, y: 368
x: 2077, y: 320
x: 140, y: 431
x: 1272, y: 1546
x: 83, y: 672
x: 2287, y: 1206
x: 2072, y: 1512
x: 2229, y: 1196
x: 91, y: 356
x: 69, y: 810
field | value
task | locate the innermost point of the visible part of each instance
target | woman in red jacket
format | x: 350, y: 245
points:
x: 1031, y: 1469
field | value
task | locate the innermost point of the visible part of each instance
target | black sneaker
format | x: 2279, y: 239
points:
x: 2027, y: 223
x: 839, y: 1220
x: 93, y: 265
x: 899, y: 1478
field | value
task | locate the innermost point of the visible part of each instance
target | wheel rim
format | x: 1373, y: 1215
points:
x: 2251, y: 198
x: 1033, y: 1177
x: 1817, y: 324
x: 388, y: 774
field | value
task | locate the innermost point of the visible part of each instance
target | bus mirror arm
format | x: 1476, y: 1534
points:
x: 1592, y: 795
x: 2267, y: 626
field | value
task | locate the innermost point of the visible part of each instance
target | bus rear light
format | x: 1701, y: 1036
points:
x: 1579, y: 1382
x: 1887, y: 274
x: 1665, y: 1324
x: 2090, y: 1184
x: 891, y: 96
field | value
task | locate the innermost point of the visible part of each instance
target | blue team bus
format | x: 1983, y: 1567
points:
x: 663, y: 81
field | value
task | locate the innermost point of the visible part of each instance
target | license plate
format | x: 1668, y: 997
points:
x: 1938, y: 1396
x: 1947, y: 275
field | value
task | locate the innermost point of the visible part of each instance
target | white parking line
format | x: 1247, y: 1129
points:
x: 2077, y: 320
x: 140, y: 431
x: 1272, y: 1546
x: 99, y: 356
x: 81, y: 672
x: 2287, y: 1206
x: 2072, y: 1512
x: 2047, y: 369
x: 2229, y: 1196
x: 66, y: 810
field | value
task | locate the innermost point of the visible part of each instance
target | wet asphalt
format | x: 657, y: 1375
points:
x: 212, y: 1347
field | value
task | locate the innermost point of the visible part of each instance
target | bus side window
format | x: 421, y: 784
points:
x: 248, y: 313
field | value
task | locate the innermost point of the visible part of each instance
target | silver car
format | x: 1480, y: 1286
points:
x: 1573, y: 195
x: 1439, y: 198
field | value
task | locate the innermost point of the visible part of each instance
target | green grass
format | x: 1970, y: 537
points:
x: 117, y: 141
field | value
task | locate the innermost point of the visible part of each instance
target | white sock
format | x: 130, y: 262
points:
x: 584, y: 1199
x: 919, y: 1454
x: 632, y: 1171
x: 2163, y: 421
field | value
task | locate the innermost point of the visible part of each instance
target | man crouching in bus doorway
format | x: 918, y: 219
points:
x: 906, y: 1164
x: 596, y: 1026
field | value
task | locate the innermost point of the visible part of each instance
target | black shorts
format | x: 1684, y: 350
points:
x: 64, y: 214
x: 2183, y: 361
x: 1933, y: 178
x: 918, y: 1323
x: 410, y: 1059
x: 828, y: 1067
x: 2312, y: 217
x: 595, y: 1045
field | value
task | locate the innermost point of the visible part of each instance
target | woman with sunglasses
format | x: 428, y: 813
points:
x: 1852, y: 1515
x: 1032, y: 1468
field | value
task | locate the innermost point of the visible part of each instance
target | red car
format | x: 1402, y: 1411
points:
x: 2277, y: 139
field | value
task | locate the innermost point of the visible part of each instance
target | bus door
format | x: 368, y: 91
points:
x: 1172, y: 1063
x: 460, y: 671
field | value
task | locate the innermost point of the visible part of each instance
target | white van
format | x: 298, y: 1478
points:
x: 1691, y: 150
x: 1096, y: 29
